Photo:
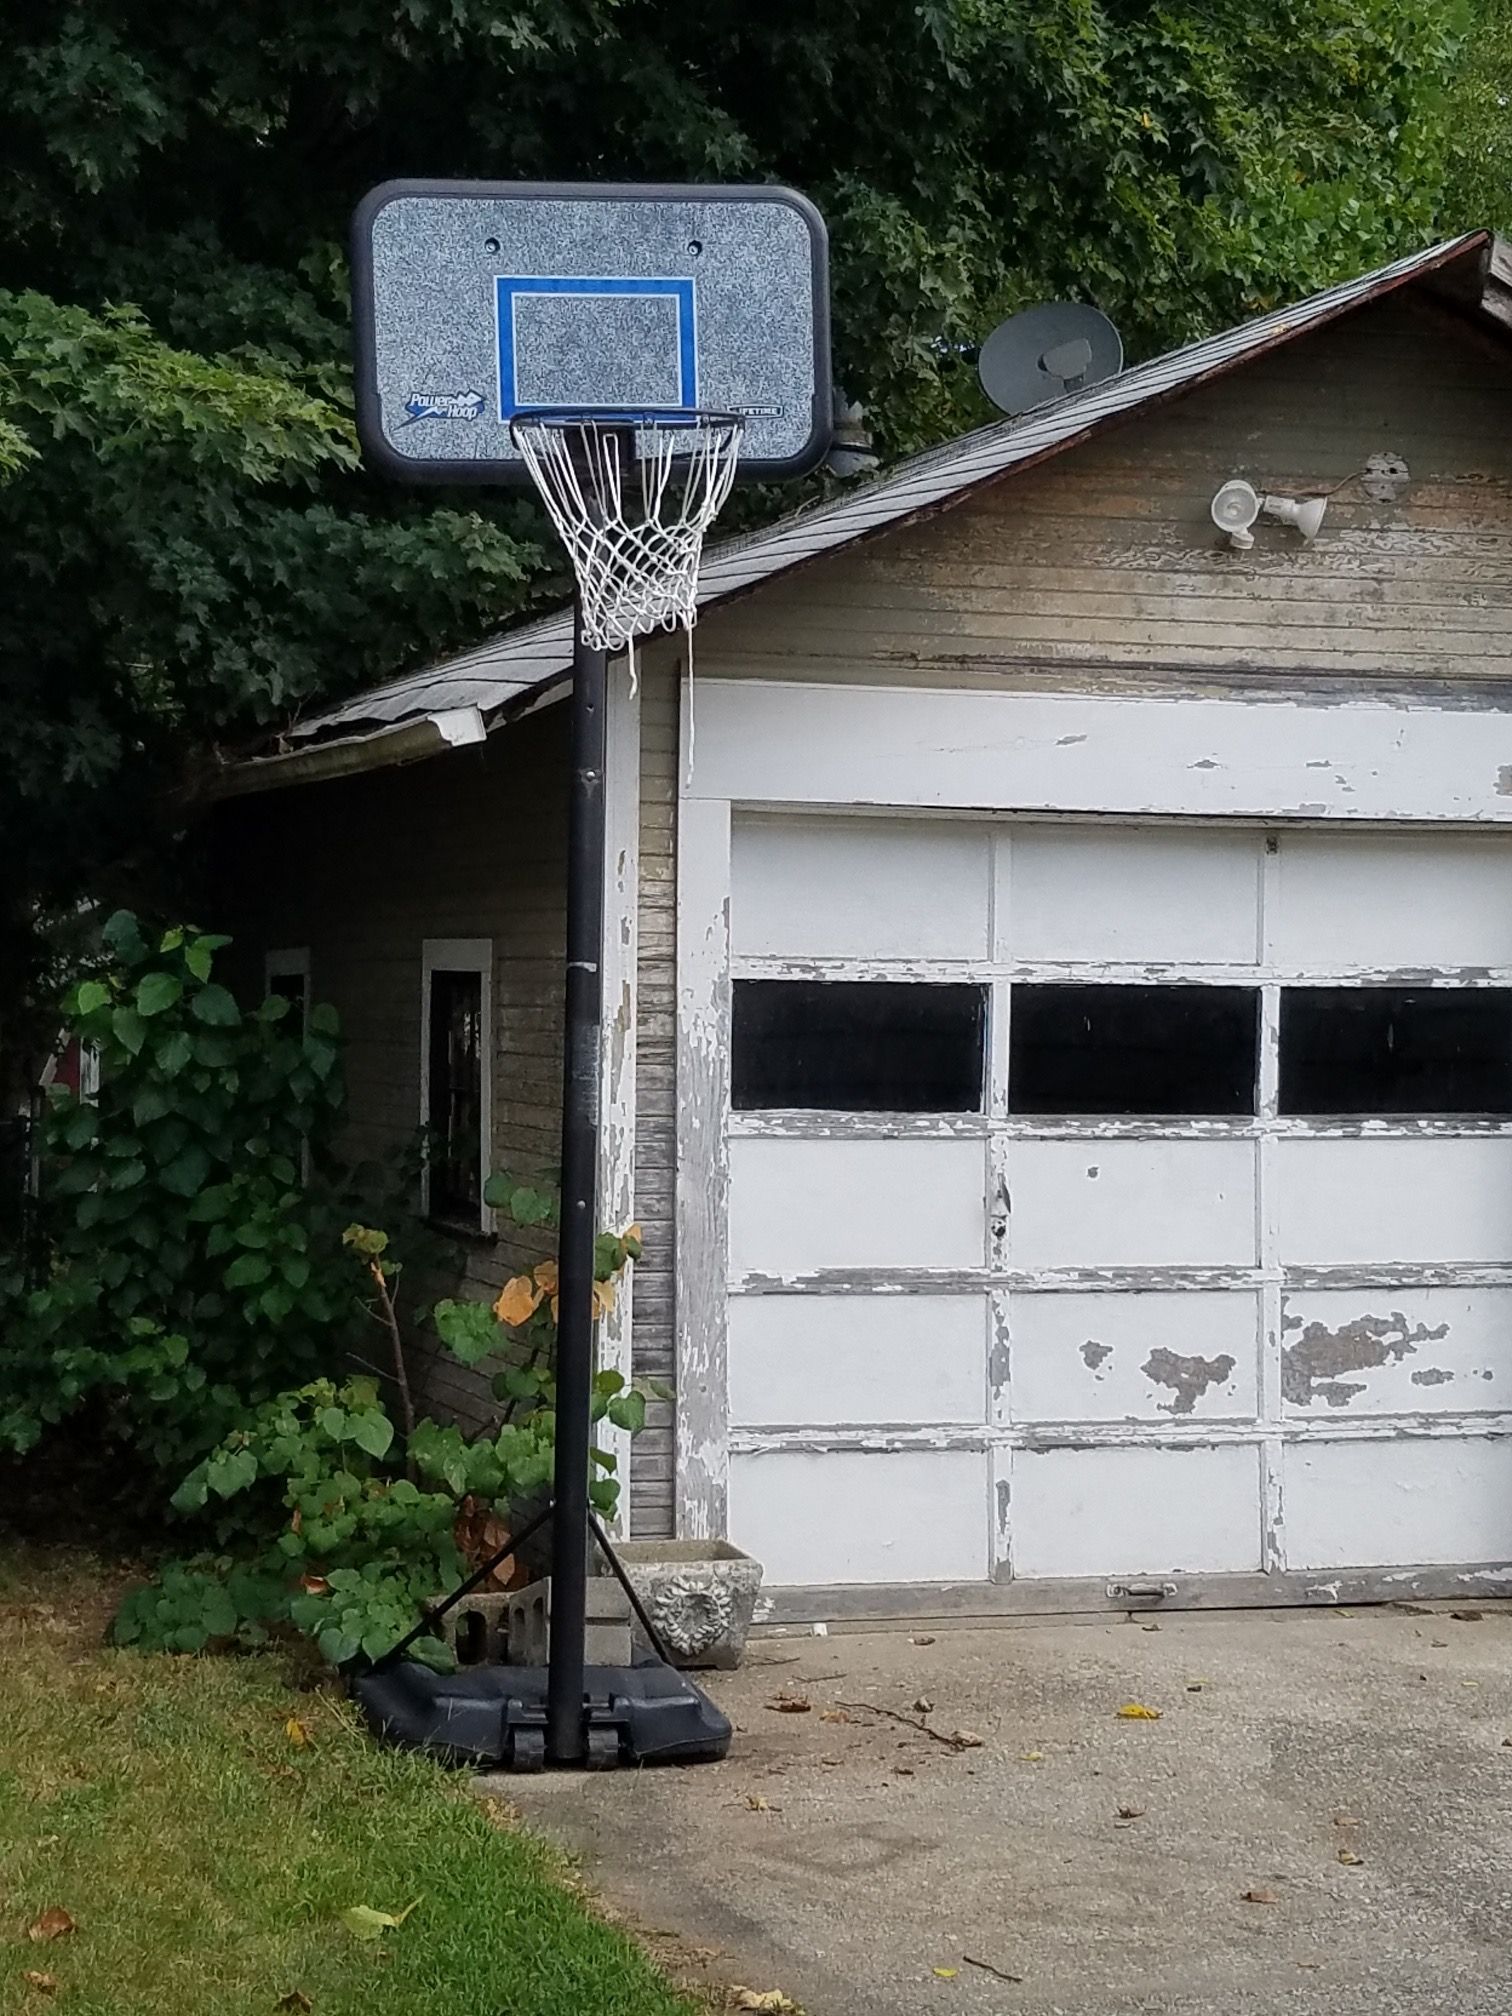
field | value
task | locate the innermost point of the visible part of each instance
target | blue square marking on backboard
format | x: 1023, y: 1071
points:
x: 680, y: 292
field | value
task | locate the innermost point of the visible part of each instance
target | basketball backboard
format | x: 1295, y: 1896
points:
x: 476, y: 302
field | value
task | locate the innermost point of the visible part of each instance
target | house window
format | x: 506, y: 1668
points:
x: 455, y: 1045
x: 1396, y: 1050
x: 1135, y: 1050
x: 858, y: 1046
x: 287, y: 974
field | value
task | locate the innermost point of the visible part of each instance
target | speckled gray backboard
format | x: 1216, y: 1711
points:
x: 474, y: 301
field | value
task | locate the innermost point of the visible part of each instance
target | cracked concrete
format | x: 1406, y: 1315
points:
x: 844, y: 1860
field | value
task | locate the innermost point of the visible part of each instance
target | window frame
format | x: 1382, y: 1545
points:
x: 459, y: 955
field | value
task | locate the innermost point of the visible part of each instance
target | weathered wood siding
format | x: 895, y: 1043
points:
x: 653, y: 1460
x: 471, y: 845
x: 1105, y: 561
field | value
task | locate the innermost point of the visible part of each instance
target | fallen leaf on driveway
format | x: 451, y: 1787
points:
x: 45, y: 1984
x: 1349, y: 1858
x: 1136, y: 1711
x: 770, y: 1999
x: 1258, y: 1897
x: 945, y: 1973
x: 833, y: 1715
x: 1131, y: 1812
x: 964, y: 1739
x: 921, y: 1641
x: 791, y: 1704
x: 51, y: 1925
x: 757, y: 1804
x: 1031, y: 1757
x: 923, y: 1706
x: 363, y: 1922
x: 1467, y: 1616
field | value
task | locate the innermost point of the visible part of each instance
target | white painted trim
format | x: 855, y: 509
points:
x: 459, y: 955
x: 1131, y: 1434
x: 618, y: 959
x: 703, y: 1111
x: 777, y: 743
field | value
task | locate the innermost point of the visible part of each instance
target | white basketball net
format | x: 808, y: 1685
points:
x: 632, y: 504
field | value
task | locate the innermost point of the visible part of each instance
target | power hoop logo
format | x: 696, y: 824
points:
x: 442, y: 406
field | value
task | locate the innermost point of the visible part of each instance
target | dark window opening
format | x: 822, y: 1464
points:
x: 1396, y: 1050
x: 858, y: 1046
x: 1133, y: 1050
x: 454, y: 1115
x: 290, y: 987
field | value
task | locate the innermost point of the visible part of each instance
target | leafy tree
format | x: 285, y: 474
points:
x: 1480, y: 181
x: 191, y: 553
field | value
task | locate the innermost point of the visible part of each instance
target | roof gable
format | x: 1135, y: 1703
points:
x: 459, y: 699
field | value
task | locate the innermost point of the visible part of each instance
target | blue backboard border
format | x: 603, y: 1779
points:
x: 380, y: 452
x: 596, y: 287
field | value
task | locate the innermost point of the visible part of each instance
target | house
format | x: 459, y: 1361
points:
x: 1058, y: 985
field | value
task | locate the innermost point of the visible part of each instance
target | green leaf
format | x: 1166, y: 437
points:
x: 172, y: 1056
x: 123, y: 937
x: 324, y: 1021
x: 186, y: 1172
x: 248, y: 1270
x: 92, y: 996
x: 157, y: 992
x: 333, y: 1422
x: 361, y: 1920
x: 230, y: 1470
x: 372, y: 1432
x: 467, y: 1329
x: 215, y: 1007
x: 200, y: 957
x: 212, y: 1205
x: 130, y: 1030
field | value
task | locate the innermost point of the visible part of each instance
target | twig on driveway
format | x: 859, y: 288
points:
x: 958, y: 1739
x: 988, y: 1968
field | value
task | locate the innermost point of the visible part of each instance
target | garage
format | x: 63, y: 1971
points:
x: 1118, y: 1210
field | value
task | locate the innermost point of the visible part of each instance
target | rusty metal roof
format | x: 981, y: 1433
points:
x: 525, y: 662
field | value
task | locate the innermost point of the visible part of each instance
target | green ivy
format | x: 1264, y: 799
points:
x: 334, y: 1525
x: 191, y: 1270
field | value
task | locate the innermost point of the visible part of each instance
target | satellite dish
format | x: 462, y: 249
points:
x: 1045, y: 352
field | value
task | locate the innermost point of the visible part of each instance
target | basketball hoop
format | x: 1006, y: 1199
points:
x: 632, y: 497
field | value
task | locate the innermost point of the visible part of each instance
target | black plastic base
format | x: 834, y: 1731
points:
x: 496, y: 1715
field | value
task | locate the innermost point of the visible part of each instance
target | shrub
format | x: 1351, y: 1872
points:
x: 190, y: 1271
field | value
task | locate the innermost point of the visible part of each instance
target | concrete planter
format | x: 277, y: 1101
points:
x: 700, y: 1595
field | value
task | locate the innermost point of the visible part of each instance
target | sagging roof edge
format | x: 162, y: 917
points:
x: 381, y: 744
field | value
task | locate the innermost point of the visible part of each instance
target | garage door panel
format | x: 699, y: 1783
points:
x: 1105, y: 1203
x: 1384, y: 1202
x: 829, y: 1360
x: 1397, y: 1502
x: 859, y: 889
x: 1133, y: 895
x: 1135, y: 1511
x: 1390, y: 902
x: 799, y: 1206
x: 850, y: 1515
x: 1396, y: 1351
x: 1109, y: 1357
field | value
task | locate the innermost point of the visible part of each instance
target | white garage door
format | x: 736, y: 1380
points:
x: 1119, y: 1203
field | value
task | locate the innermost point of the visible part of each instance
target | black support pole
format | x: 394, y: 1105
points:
x: 566, y: 1737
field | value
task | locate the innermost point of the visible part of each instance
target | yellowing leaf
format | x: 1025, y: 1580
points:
x: 518, y: 1302
x: 1136, y: 1711
x: 45, y: 1984
x: 363, y: 1922
x: 945, y: 1973
x: 297, y: 1733
x: 546, y: 1277
x: 771, y: 2000
x: 603, y: 1297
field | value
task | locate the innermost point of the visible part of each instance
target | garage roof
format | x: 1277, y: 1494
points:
x: 461, y: 699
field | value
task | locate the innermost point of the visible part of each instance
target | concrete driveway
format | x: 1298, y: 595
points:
x: 1320, y: 1822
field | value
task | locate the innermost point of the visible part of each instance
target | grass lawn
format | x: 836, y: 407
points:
x: 205, y: 1852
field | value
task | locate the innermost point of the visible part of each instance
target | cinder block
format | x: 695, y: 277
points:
x: 607, y: 1641
x: 477, y: 1630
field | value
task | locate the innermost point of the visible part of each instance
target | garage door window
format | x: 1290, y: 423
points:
x: 1399, y: 1051
x: 863, y: 1046
x: 1133, y: 1050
